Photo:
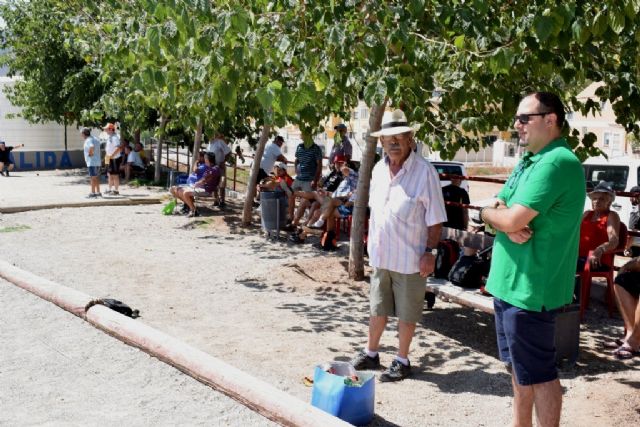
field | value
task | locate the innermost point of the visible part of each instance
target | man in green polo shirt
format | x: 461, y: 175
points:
x: 537, y: 219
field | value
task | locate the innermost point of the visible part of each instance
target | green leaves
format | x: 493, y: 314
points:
x: 616, y: 20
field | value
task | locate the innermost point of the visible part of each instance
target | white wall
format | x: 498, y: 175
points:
x: 35, y: 137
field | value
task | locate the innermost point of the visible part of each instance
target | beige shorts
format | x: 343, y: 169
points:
x: 301, y: 185
x: 397, y: 294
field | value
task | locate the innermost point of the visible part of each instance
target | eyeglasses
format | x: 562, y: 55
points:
x: 524, y: 118
x: 395, y: 138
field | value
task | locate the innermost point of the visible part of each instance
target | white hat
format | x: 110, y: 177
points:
x: 395, y: 123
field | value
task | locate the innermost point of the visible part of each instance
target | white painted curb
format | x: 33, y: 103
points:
x: 250, y: 391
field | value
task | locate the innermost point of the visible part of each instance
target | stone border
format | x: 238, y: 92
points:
x: 254, y: 393
x: 103, y: 202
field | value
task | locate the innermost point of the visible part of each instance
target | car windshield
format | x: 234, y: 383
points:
x: 616, y: 175
x: 448, y: 169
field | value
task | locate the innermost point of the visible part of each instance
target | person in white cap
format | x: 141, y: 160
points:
x: 407, y: 212
x: 113, y: 153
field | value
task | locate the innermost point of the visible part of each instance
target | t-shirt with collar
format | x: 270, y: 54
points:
x: 539, y: 274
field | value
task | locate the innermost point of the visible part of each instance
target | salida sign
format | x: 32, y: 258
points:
x: 38, y: 160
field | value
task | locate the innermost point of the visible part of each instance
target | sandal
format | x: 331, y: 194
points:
x: 625, y: 352
x: 613, y: 345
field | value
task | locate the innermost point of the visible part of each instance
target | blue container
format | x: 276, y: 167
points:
x: 354, y: 405
x: 273, y: 209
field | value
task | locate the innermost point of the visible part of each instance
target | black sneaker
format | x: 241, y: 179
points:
x: 115, y: 192
x: 185, y: 209
x: 222, y: 205
x: 396, y: 372
x: 193, y: 214
x: 362, y: 362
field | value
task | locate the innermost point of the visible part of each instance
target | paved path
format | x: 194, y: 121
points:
x: 56, y: 369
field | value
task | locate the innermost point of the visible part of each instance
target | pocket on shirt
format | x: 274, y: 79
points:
x: 403, y: 208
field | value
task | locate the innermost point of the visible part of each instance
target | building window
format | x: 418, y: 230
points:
x: 354, y: 114
x: 612, y: 140
x: 364, y: 113
x: 569, y: 115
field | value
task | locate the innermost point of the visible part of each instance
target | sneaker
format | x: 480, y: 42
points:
x: 318, y: 225
x: 222, y: 205
x: 193, y: 214
x: 6, y: 173
x: 115, y: 192
x: 108, y: 192
x: 2, y: 173
x: 295, y: 238
x: 98, y: 194
x: 185, y: 209
x: 362, y: 362
x: 396, y: 372
x: 91, y: 196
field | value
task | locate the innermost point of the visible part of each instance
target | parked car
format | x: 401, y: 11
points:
x: 451, y: 168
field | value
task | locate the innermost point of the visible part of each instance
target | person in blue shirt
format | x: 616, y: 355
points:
x: 93, y: 161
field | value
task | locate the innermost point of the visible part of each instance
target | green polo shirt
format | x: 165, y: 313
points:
x: 540, y: 273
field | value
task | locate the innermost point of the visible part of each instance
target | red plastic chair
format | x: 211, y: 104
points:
x: 587, y: 275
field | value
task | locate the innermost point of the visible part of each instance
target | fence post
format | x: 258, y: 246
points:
x: 235, y: 169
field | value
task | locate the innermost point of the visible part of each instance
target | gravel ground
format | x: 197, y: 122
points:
x: 56, y: 369
x: 275, y: 310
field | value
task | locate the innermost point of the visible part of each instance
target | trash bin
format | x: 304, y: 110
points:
x: 567, y: 335
x: 273, y: 209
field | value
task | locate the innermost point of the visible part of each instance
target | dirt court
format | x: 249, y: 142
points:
x: 276, y: 310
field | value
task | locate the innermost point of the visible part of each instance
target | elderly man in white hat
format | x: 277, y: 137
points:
x: 407, y: 212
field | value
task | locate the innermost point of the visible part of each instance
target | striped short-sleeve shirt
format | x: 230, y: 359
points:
x: 308, y: 161
x: 402, y: 209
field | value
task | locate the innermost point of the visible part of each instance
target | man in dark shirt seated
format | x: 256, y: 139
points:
x: 205, y: 186
x: 457, y: 217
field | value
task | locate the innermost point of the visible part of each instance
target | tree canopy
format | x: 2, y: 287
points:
x: 458, y: 67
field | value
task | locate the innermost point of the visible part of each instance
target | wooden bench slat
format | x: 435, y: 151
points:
x: 467, y: 297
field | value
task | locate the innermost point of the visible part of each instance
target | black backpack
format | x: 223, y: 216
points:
x: 470, y: 271
x: 448, y: 251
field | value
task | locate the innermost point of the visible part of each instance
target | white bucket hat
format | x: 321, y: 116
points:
x: 394, y: 123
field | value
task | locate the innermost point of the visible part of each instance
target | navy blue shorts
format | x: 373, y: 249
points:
x: 526, y: 341
x: 94, y: 170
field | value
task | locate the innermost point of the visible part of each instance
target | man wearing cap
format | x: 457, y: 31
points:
x: 634, y: 220
x: 537, y: 219
x: 113, y: 153
x: 5, y: 157
x: 341, y: 144
x: 92, y: 158
x: 407, y: 212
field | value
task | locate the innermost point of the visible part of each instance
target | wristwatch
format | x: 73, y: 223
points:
x: 431, y: 251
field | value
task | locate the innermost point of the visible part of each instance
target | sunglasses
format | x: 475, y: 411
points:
x: 525, y: 118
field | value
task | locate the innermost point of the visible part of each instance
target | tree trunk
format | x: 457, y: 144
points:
x: 196, y: 144
x: 136, y: 136
x: 163, y: 125
x: 356, y: 250
x: 253, y: 177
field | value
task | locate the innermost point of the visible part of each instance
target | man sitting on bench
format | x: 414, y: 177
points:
x: 206, y: 186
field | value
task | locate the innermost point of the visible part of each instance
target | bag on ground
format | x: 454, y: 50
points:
x: 332, y: 394
x: 448, y: 251
x: 470, y: 271
x: 169, y: 207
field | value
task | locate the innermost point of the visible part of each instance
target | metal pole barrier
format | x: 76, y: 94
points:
x: 235, y: 173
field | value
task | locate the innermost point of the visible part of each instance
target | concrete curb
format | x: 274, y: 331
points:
x: 104, y: 202
x: 256, y: 394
